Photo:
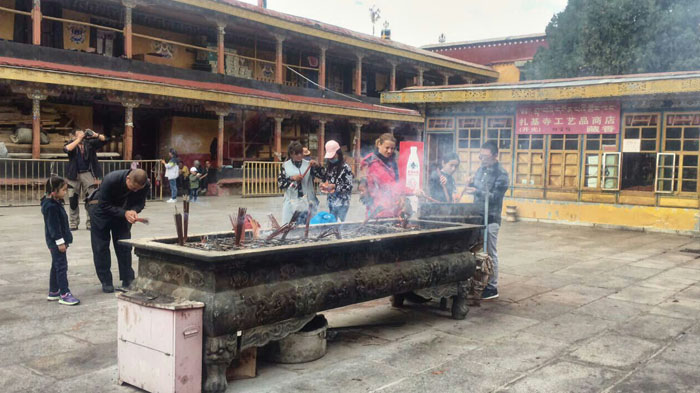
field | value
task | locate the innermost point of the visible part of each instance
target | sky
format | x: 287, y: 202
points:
x: 420, y: 22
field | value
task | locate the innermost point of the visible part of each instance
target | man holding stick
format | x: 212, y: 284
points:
x: 490, y: 181
x: 114, y: 208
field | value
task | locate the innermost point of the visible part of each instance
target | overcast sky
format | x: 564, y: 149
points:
x: 420, y: 22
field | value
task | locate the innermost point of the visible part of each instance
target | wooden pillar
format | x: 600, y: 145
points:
x: 278, y: 138
x: 321, y: 137
x: 446, y: 79
x: 358, y: 76
x: 220, y: 59
x: 420, y: 76
x: 36, y: 123
x: 392, y: 78
x: 36, y: 22
x: 129, y: 129
x: 357, y: 145
x: 220, y: 140
x: 322, y: 68
x: 279, y: 60
x: 128, y: 29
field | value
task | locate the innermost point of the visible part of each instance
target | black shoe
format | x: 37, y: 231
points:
x: 107, y: 288
x: 126, y: 286
x: 489, y: 293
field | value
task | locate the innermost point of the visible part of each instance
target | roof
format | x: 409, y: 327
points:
x: 486, y: 41
x: 553, y: 89
x: 322, y: 30
x: 494, y: 50
x: 128, y: 82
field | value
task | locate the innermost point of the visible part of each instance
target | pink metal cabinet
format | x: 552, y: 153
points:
x: 160, y: 343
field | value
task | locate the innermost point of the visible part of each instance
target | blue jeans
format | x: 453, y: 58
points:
x: 58, y: 279
x: 193, y: 194
x: 173, y: 188
x: 339, y: 212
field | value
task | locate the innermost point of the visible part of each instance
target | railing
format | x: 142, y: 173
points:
x: 23, y: 181
x: 260, y: 178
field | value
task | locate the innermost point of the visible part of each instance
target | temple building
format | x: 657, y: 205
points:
x: 609, y: 150
x: 222, y: 79
x: 504, y: 54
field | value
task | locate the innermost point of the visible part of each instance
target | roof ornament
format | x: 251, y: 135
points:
x: 442, y: 39
x: 374, y: 16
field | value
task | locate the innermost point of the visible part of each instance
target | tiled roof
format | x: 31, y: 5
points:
x: 219, y: 87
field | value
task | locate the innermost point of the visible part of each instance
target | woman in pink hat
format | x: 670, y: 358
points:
x: 337, y: 181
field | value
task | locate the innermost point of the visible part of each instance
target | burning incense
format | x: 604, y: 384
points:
x: 186, y: 217
x: 240, y: 225
x: 308, y: 221
x: 178, y: 228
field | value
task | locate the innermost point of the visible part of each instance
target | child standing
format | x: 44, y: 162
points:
x: 58, y: 237
x: 194, y: 183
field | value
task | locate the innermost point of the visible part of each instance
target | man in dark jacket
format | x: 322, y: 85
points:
x: 490, y: 180
x: 83, y: 169
x: 121, y: 196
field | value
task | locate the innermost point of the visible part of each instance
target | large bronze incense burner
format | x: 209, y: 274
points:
x: 267, y: 290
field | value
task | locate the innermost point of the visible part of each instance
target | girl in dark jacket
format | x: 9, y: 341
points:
x: 337, y: 181
x: 58, y: 237
x: 441, y: 183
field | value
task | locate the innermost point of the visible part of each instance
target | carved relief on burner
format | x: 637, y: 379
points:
x: 261, y: 335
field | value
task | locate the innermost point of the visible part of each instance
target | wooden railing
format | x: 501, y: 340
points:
x: 23, y: 181
x: 260, y: 178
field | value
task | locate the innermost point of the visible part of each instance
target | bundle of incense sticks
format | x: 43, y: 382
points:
x: 178, y: 228
x: 240, y: 225
x: 448, y: 199
x: 186, y: 217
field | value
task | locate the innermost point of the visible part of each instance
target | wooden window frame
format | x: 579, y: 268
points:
x: 623, y: 127
x: 681, y: 154
x: 564, y: 153
x: 502, y: 152
x: 530, y: 153
x: 599, y: 165
x: 470, y: 163
x: 673, y: 174
x: 604, y: 176
x: 438, y: 118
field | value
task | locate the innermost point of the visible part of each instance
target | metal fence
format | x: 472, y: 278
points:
x: 23, y: 181
x: 260, y: 178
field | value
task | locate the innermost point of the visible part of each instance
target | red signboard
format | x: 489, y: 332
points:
x: 569, y: 118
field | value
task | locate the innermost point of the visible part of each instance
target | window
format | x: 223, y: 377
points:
x: 682, y: 136
x: 640, y: 136
x: 563, y: 161
x: 529, y: 161
x: 500, y: 130
x: 595, y: 145
x: 611, y: 171
x: 665, y: 172
x: 441, y: 123
x: 469, y: 131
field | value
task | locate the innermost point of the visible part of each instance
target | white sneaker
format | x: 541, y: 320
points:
x: 171, y: 200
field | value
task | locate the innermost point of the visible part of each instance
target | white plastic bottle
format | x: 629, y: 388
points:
x: 413, y: 170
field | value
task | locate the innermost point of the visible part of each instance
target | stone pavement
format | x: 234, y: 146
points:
x: 581, y: 310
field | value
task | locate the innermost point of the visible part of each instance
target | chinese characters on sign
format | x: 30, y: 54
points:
x: 570, y: 118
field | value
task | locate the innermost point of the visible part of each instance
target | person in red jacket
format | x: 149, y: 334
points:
x: 382, y: 193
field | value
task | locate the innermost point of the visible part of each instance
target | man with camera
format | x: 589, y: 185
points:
x: 83, y: 169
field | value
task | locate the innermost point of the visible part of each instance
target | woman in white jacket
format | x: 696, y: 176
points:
x: 172, y: 172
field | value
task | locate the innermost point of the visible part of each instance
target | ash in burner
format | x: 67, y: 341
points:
x: 296, y: 236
